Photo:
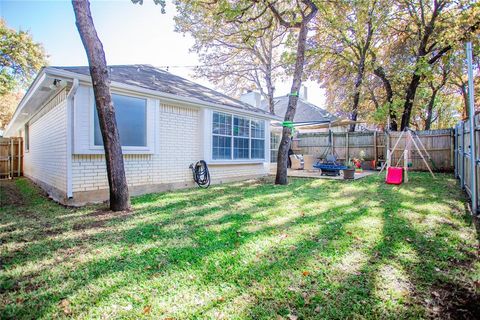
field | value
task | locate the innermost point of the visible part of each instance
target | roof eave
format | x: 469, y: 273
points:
x: 166, y: 96
x: 28, y: 95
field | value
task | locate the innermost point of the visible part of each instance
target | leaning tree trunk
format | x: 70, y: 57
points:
x: 358, y: 85
x: 379, y: 72
x: 431, y: 104
x: 119, y: 197
x: 269, y: 85
x: 409, y: 98
x: 282, y: 159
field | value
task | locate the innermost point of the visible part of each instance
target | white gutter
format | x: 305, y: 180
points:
x: 194, y: 102
x: 70, y: 103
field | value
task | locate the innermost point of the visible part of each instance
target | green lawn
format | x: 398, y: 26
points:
x: 314, y: 249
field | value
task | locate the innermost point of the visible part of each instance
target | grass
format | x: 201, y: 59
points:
x: 314, y: 249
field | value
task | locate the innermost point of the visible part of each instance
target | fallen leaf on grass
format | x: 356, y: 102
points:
x: 292, y: 317
x: 65, y: 305
x: 147, y: 309
x: 305, y: 273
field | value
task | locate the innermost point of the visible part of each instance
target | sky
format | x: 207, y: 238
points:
x: 130, y: 33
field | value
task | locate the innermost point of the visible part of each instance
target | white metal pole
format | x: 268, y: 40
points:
x: 471, y: 109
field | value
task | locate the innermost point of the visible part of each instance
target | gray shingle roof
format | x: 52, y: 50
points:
x: 149, y: 77
x: 306, y: 111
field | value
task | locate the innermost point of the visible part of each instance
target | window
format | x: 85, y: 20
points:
x: 241, y: 128
x: 258, y: 139
x: 27, y: 137
x: 238, y: 138
x: 275, y: 138
x: 131, y: 116
x: 222, y: 136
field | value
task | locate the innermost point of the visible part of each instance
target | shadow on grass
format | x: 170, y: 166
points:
x: 291, y: 252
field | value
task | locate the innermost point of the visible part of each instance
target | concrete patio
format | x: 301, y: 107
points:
x: 316, y: 173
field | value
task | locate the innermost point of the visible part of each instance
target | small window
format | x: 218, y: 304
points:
x: 131, y: 116
x: 237, y: 138
x: 27, y: 137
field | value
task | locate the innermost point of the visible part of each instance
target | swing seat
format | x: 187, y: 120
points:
x: 394, y: 175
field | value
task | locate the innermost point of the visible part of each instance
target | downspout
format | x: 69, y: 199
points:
x: 70, y: 100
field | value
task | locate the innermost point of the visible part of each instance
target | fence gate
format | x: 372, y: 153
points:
x: 11, y: 157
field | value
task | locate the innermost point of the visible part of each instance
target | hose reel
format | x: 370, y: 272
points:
x: 200, y: 173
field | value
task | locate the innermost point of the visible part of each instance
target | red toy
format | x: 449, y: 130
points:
x: 394, y: 175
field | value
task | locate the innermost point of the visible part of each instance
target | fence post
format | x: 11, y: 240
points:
x: 454, y: 142
x: 452, y: 150
x: 19, y: 164
x: 387, y: 147
x: 462, y: 152
x: 471, y: 109
x: 347, y: 145
x: 333, y: 142
x: 12, y: 157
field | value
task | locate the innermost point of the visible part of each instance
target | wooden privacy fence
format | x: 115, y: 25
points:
x: 463, y: 155
x: 11, y: 157
x: 349, y: 145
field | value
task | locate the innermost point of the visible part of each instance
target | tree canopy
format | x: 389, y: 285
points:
x: 393, y: 63
x: 20, y: 59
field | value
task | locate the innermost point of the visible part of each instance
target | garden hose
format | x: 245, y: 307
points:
x: 201, y: 175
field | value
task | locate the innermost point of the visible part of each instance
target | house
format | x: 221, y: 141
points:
x: 306, y: 112
x: 307, y: 115
x: 165, y: 122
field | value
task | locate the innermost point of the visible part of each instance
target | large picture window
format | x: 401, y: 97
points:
x: 237, y: 138
x: 131, y: 116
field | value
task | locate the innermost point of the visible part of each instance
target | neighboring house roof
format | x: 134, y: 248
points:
x: 306, y: 111
x: 149, y: 77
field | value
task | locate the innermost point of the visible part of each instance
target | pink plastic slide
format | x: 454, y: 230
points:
x: 394, y: 175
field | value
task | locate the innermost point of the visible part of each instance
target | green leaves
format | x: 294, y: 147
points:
x: 20, y: 58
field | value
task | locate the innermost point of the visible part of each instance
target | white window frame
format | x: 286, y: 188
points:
x: 232, y: 160
x: 148, y: 149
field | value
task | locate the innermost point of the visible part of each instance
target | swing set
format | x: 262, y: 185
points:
x: 397, y: 174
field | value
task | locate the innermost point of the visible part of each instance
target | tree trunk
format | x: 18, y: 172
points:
x: 358, y: 85
x: 379, y: 72
x: 431, y: 104
x: 270, y: 93
x: 409, y: 98
x: 282, y: 159
x: 356, y: 96
x: 119, y: 197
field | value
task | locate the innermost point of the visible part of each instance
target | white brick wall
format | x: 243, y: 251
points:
x: 89, y: 171
x: 178, y: 143
x: 47, y: 157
